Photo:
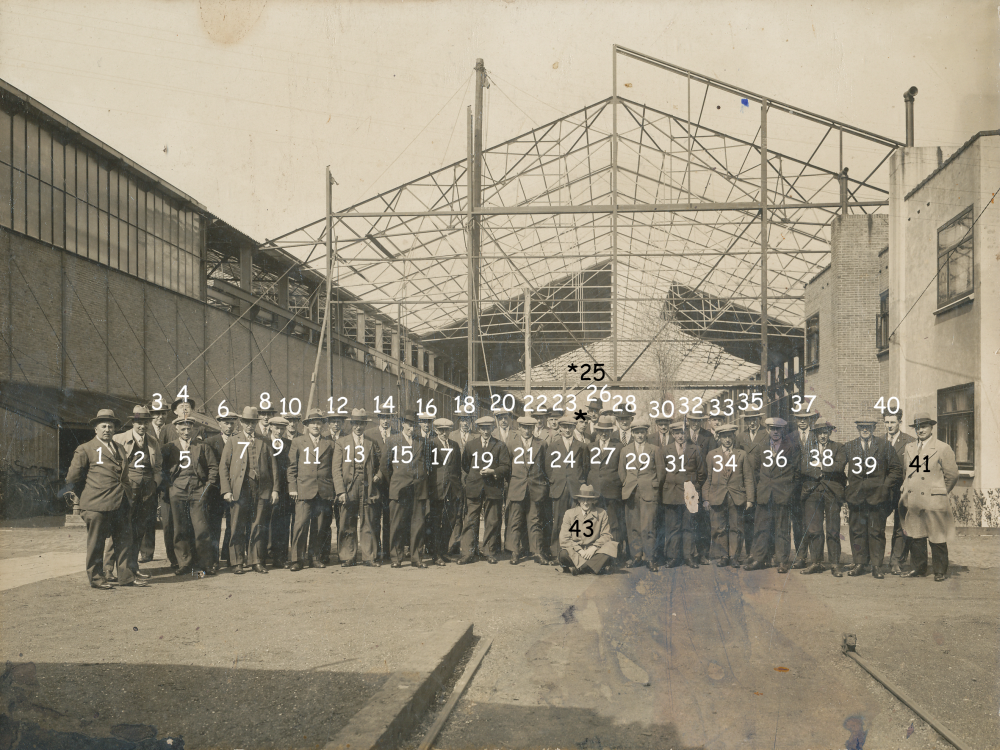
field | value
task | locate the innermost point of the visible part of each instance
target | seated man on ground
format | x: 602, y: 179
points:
x: 585, y: 537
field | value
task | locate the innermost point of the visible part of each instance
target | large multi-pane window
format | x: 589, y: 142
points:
x: 66, y: 195
x: 812, y: 340
x: 955, y: 258
x: 957, y: 423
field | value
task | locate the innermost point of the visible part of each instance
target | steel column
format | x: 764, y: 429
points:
x: 614, y: 213
x: 763, y: 242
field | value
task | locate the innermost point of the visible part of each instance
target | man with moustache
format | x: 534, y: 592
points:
x: 217, y: 507
x: 753, y: 439
x: 777, y: 477
x: 823, y: 483
x: 355, y: 467
x: 527, y: 495
x: 487, y: 464
x: 805, y: 438
x: 147, y: 540
x: 466, y: 431
x: 506, y: 433
x: 310, y: 484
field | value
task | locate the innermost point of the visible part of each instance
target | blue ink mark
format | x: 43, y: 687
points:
x: 745, y: 102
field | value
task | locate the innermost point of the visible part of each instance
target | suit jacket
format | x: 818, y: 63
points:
x: 725, y: 482
x: 489, y: 486
x: 705, y: 442
x: 645, y: 482
x: 306, y: 477
x: 169, y: 433
x: 928, y: 490
x: 828, y: 481
x: 202, y: 469
x: 456, y: 435
x: 152, y: 458
x: 400, y: 474
x: 528, y: 472
x: 217, y: 442
x: 902, y: 440
x: 352, y: 477
x: 874, y: 488
x: 777, y: 484
x: 103, y: 477
x: 235, y: 464
x: 673, y: 478
x: 604, y: 476
x: 806, y: 469
x: 565, y: 474
x: 375, y: 435
x: 755, y: 445
x: 447, y: 471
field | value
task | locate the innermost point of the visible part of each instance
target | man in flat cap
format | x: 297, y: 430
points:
x: 873, y: 468
x: 805, y: 438
x: 505, y: 432
x: 407, y: 472
x: 585, y: 539
x: 310, y: 484
x: 487, y: 464
x: 247, y: 471
x: 684, y: 474
x: 753, y: 438
x: 823, y: 483
x: 607, y: 482
x: 705, y: 442
x: 280, y: 535
x: 931, y: 475
x: 466, y: 431
x: 447, y: 501
x: 355, y: 468
x: 99, y: 473
x: 900, y: 544
x: 777, y: 477
x: 567, y: 466
x: 189, y: 469
x: 728, y: 488
x: 147, y: 534
x: 640, y: 469
x: 218, y: 510
x: 528, y: 495
x: 380, y: 434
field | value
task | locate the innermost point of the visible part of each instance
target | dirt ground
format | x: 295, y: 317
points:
x: 681, y: 658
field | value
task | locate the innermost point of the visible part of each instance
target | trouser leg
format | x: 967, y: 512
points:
x: 647, y: 520
x: 278, y: 542
x: 493, y: 510
x: 183, y: 531
x: 98, y: 528
x: 735, y: 531
x: 796, y: 512
x: 719, y: 515
x: 877, y: 516
x: 559, y: 507
x: 324, y: 531
x: 147, y: 544
x: 400, y: 511
x: 216, y: 511
x: 661, y: 531
x: 305, y: 511
x: 813, y: 508
x: 782, y: 533
x: 369, y: 514
x: 167, y: 521
x: 239, y: 519
x: 260, y: 528
x: 121, y: 534
x: 857, y: 521
x: 749, y: 516
x: 347, y: 530
x: 832, y: 513
x: 385, y: 527
x: 918, y: 555
x: 702, y: 531
x: 633, y: 519
x: 763, y: 533
x: 939, y: 558
x: 457, y: 523
x: 598, y: 560
x: 203, y: 554
x: 540, y: 526
x: 473, y: 509
x: 900, y: 542
x: 673, y: 525
x: 516, y: 526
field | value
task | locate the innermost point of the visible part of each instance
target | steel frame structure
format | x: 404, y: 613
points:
x: 614, y: 208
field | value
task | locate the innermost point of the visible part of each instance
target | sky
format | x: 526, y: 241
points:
x: 243, y: 104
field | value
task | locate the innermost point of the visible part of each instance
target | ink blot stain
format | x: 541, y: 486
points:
x: 856, y: 726
x: 781, y: 669
x: 568, y: 615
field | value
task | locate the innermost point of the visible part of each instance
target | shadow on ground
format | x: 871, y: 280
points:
x: 205, y: 707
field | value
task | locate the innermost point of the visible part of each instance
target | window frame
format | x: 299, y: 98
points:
x: 811, y: 345
x: 950, y: 296
x: 947, y: 420
x: 882, y: 323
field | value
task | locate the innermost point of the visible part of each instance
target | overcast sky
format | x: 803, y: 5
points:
x: 242, y: 104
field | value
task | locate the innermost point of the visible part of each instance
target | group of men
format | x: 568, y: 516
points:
x: 593, y: 495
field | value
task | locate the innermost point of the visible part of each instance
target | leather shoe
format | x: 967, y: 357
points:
x: 836, y: 572
x: 238, y: 570
x: 691, y: 562
x: 722, y: 562
x: 142, y: 584
x: 259, y: 569
x: 755, y: 565
x: 540, y: 560
x: 347, y: 564
x: 631, y: 563
x: 103, y: 585
x: 514, y: 559
x: 938, y: 577
x: 140, y: 574
x: 553, y: 561
x: 112, y: 578
x: 182, y: 571
x: 464, y: 560
x: 295, y: 567
x: 317, y: 564
x: 372, y: 564
x: 877, y: 573
x: 857, y: 570
x: 396, y: 565
x: 783, y: 568
x: 814, y: 568
x: 896, y: 570
x: 145, y: 558
x: 799, y: 564
x: 736, y: 563
x: 211, y: 571
x: 441, y: 562
x: 654, y: 568
x: 915, y: 574
x: 491, y: 560
x: 420, y: 564
x: 574, y: 570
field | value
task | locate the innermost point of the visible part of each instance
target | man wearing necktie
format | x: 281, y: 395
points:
x: 279, y: 536
x: 217, y: 508
x: 527, y: 495
x: 604, y: 456
x: 727, y: 489
x: 873, y: 468
x: 684, y: 474
x: 753, y: 439
x: 486, y: 463
x: 568, y: 464
x: 406, y: 473
x: 805, y: 437
x: 248, y: 470
x: 777, y: 477
x: 147, y: 532
x: 379, y: 435
x: 99, y: 468
x: 466, y: 431
x: 585, y: 539
x: 355, y: 466
x: 823, y: 483
x: 446, y: 498
x: 310, y: 484
x: 900, y: 544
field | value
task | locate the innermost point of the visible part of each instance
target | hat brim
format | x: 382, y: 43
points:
x: 97, y: 420
x: 931, y: 422
x: 177, y: 402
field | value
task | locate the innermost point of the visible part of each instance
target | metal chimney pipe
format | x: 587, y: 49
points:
x: 908, y: 98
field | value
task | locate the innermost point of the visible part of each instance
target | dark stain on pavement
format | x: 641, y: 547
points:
x: 856, y: 726
x: 568, y: 615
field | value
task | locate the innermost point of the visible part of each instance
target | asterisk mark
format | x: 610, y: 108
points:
x: 581, y: 415
x: 572, y: 368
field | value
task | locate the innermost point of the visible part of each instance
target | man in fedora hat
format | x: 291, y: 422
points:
x: 143, y: 459
x: 527, y: 494
x: 310, y: 484
x: 604, y: 455
x: 931, y: 475
x: 248, y: 469
x: 777, y: 477
x: 99, y: 473
x: 805, y: 437
x: 466, y: 431
x: 147, y: 532
x: 405, y: 470
x: 900, y: 544
x: 728, y: 488
x: 486, y: 462
x: 280, y: 532
x: 446, y: 497
x: 355, y: 468
x: 379, y: 434
x: 683, y: 474
x: 189, y: 469
x: 568, y: 464
x: 753, y: 439
x: 873, y: 468
x: 585, y: 543
x: 218, y: 510
x: 823, y: 482
x: 181, y: 408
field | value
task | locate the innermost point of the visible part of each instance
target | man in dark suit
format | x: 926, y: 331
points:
x: 217, y: 508
x: 623, y: 426
x: 873, y: 470
x: 604, y: 457
x: 752, y: 439
x: 527, y: 494
x: 406, y: 471
x: 486, y: 463
x: 568, y: 464
x: 705, y: 442
x: 310, y: 484
x: 506, y: 433
x: 247, y: 473
x: 279, y: 537
x: 147, y: 532
x: 900, y: 546
x: 804, y: 437
x: 189, y: 470
x: 99, y: 472
x: 640, y: 469
x: 684, y: 473
x: 728, y: 488
x: 447, y: 504
x: 355, y: 468
x: 379, y: 434
x: 823, y: 483
x: 466, y: 431
x: 777, y: 477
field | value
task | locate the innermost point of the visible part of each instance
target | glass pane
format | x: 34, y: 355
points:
x: 175, y: 238
x: 150, y: 204
x: 175, y: 267
x: 44, y: 156
x: 57, y: 164
x: 112, y: 192
x: 6, y: 185
x: 33, y: 210
x: 112, y: 240
x: 133, y: 206
x: 70, y: 160
x: 102, y: 187
x: 122, y: 197
x: 70, y: 223
x: 94, y: 193
x: 82, y: 212
x: 157, y: 216
x: 960, y: 269
x: 942, y: 285
x: 5, y: 126
x: 32, y: 146
x: 123, y: 248
x: 954, y: 232
x: 182, y: 272
x: 196, y: 232
x: 81, y: 175
x: 18, y: 201
x: 158, y: 260
x: 92, y: 242
x: 59, y: 218
x: 136, y: 261
x: 45, y: 203
x: 146, y: 241
x: 102, y: 237
x: 194, y: 286
x: 18, y: 146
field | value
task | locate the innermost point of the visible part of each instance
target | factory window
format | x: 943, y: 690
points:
x: 882, y: 323
x: 812, y: 341
x: 956, y: 422
x: 955, y: 259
